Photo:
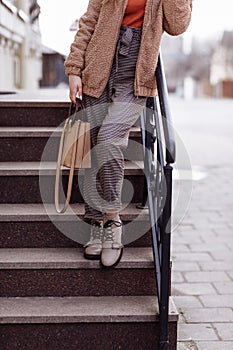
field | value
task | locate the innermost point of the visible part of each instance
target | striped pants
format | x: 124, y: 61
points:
x: 111, y: 117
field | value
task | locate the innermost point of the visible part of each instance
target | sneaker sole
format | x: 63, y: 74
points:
x: 91, y: 257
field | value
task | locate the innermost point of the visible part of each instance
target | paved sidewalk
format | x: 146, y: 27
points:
x: 202, y: 245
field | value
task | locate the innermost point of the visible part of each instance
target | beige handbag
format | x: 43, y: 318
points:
x: 74, y: 149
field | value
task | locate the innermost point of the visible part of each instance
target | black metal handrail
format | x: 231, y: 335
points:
x: 166, y: 113
x: 159, y: 153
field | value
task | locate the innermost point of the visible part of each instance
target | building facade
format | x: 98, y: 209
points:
x: 20, y: 45
x: 222, y: 67
x: 53, y: 70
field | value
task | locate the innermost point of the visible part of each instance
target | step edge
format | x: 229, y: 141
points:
x: 33, y: 104
x: 68, y: 218
x: 42, y: 132
x: 47, y: 212
x: 58, y: 258
x: 72, y: 266
x: 81, y: 318
x: 49, y: 169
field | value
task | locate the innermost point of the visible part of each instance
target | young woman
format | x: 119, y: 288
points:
x: 112, y: 64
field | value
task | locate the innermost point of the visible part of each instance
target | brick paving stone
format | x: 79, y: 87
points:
x: 212, y: 207
x: 224, y: 287
x: 209, y: 225
x: 208, y: 214
x: 204, y: 224
x: 187, y: 223
x: 207, y: 315
x: 187, y: 266
x: 191, y: 230
x: 177, y: 277
x: 180, y: 248
x: 202, y: 232
x: 181, y: 346
x: 193, y: 289
x: 193, y: 257
x: 186, y: 301
x: 217, y: 266
x: 224, y: 234
x: 224, y: 330
x: 223, y: 230
x: 206, y: 276
x: 227, y: 211
x: 178, y: 240
x: 217, y: 300
x: 196, y: 332
x: 184, y: 224
x: 203, y: 219
x: 229, y: 243
x: 186, y: 346
x: 222, y: 255
x: 187, y: 239
x: 214, y: 345
x: 226, y: 239
x: 205, y: 247
x: 227, y: 214
x: 223, y: 219
x: 181, y: 318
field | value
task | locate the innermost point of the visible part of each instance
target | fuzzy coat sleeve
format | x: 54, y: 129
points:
x: 75, y: 61
x: 176, y: 16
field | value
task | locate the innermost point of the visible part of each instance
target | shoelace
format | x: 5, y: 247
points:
x: 97, y: 231
x: 108, y: 229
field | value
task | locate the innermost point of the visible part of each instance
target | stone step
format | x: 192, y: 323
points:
x: 21, y: 184
x: 33, y: 113
x: 65, y: 272
x: 39, y: 212
x: 49, y: 168
x: 90, y: 323
x: 35, y: 225
x: 46, y: 132
x: 31, y: 143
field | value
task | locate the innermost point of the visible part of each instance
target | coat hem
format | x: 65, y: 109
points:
x: 141, y: 92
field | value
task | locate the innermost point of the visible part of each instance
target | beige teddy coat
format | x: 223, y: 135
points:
x: 92, y: 52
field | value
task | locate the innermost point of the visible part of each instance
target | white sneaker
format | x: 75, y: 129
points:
x: 112, y: 247
x: 93, y: 247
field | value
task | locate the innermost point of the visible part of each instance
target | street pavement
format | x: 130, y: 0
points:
x: 202, y: 243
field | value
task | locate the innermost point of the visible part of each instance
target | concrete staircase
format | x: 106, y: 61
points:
x: 50, y: 296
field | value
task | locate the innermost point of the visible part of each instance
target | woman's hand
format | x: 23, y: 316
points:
x: 75, y: 84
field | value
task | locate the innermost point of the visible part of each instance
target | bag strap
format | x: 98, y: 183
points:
x: 58, y: 169
x: 77, y: 108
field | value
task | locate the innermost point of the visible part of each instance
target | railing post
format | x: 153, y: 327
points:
x: 144, y: 204
x: 165, y: 260
x: 148, y: 140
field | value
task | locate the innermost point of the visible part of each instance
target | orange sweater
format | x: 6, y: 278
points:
x: 134, y: 13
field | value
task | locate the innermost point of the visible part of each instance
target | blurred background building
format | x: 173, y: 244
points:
x: 205, y: 69
x: 24, y: 62
x: 53, y: 72
x: 221, y: 70
x: 20, y: 45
